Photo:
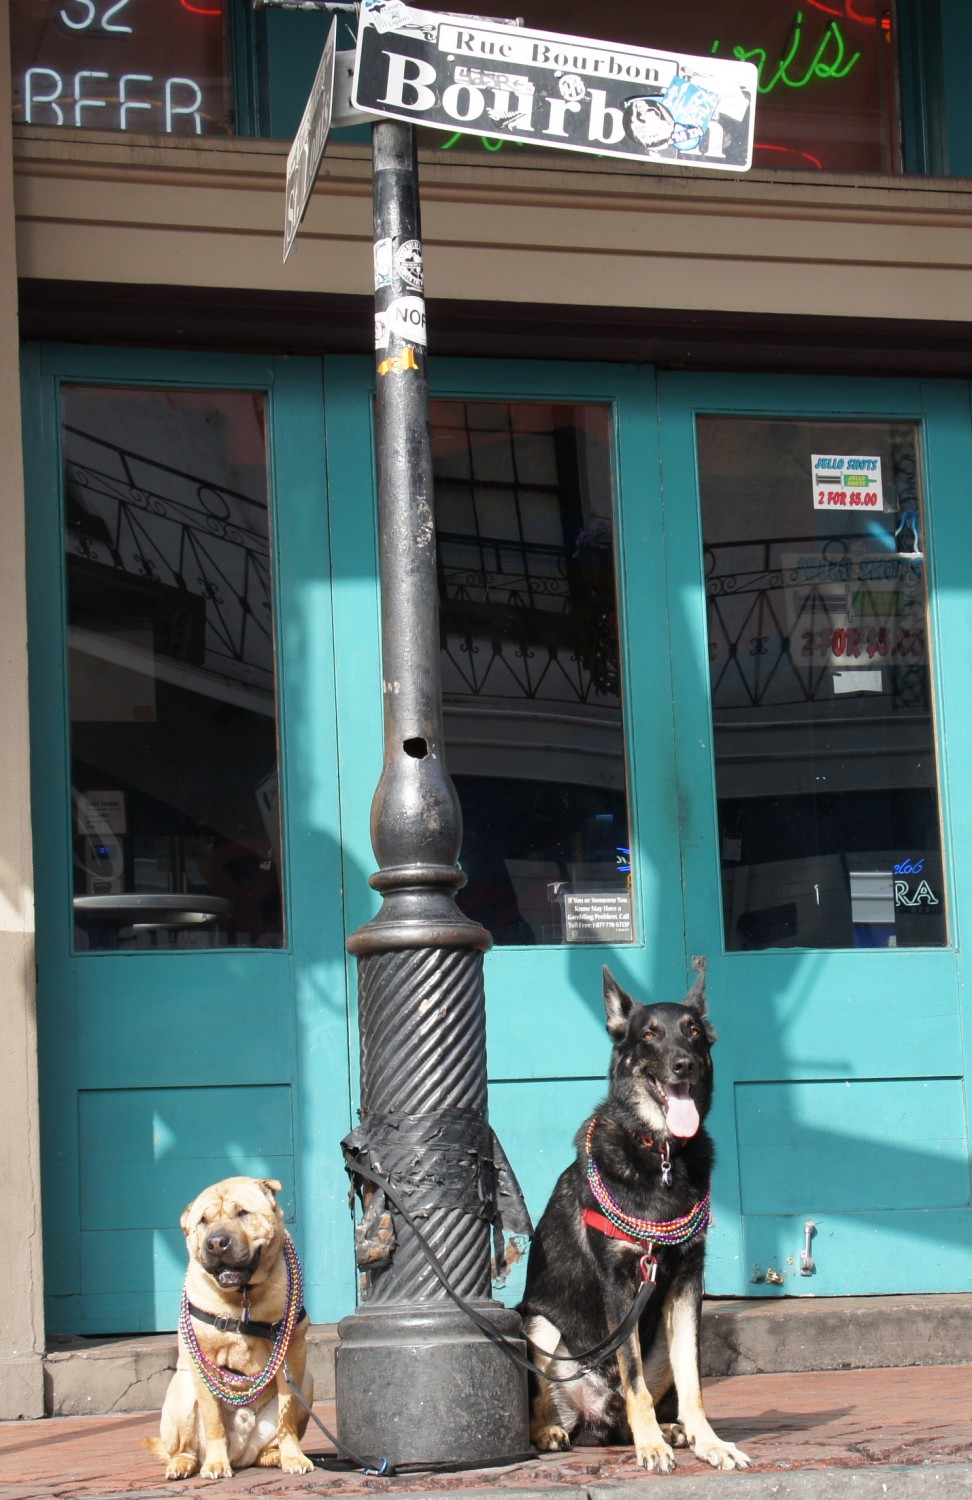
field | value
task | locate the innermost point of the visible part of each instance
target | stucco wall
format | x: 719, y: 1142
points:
x: 21, y: 1315
x: 508, y: 229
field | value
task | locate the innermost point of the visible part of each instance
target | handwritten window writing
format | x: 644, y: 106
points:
x: 149, y: 66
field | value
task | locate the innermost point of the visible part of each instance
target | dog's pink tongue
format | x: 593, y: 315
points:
x: 680, y: 1111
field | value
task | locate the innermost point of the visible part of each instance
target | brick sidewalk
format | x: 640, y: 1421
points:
x: 849, y: 1420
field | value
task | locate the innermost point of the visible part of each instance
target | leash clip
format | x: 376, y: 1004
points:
x: 666, y: 1167
x: 648, y: 1266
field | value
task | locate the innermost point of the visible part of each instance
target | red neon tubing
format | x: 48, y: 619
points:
x: 847, y: 14
x: 790, y: 151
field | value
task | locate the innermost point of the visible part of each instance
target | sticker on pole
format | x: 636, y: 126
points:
x: 304, y: 160
x: 483, y: 77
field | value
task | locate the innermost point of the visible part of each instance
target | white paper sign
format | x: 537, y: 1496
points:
x: 846, y: 481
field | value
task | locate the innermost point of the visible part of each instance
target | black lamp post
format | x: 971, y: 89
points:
x: 416, y: 1379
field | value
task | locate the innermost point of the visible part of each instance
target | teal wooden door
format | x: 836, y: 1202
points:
x: 192, y: 983
x: 604, y: 688
x: 538, y: 469
x: 822, y: 738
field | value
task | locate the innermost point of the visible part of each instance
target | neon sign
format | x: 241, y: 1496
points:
x: 851, y: 14
x: 48, y: 108
x: 89, y: 16
x: 86, y: 63
x: 820, y: 67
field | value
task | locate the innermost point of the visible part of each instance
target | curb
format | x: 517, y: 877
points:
x: 902, y: 1482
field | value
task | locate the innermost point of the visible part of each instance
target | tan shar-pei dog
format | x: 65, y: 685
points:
x: 242, y: 1326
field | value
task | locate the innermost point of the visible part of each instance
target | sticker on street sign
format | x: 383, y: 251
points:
x: 304, y: 160
x: 482, y: 77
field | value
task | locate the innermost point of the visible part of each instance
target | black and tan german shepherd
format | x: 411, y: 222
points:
x: 633, y: 1205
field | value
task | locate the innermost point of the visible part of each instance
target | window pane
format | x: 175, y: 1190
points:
x: 176, y: 826
x: 135, y: 65
x: 821, y: 685
x: 827, y: 94
x: 530, y: 664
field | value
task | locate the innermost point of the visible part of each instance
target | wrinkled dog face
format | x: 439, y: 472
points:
x: 231, y: 1226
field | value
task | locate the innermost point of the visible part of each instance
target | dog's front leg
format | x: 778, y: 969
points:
x: 681, y: 1313
x: 293, y: 1460
x: 651, y: 1449
x: 216, y: 1464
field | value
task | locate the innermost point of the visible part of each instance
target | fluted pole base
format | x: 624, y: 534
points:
x: 466, y: 1401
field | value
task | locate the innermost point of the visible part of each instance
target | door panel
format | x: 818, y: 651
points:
x: 179, y: 1012
x: 840, y: 1096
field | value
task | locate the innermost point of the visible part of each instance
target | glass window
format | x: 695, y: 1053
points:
x: 531, y: 670
x: 827, y: 93
x: 135, y: 65
x: 176, y: 828
x: 821, y: 686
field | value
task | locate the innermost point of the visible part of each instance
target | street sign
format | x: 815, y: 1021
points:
x: 484, y: 77
x: 304, y: 160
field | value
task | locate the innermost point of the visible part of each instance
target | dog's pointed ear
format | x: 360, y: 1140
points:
x: 271, y: 1187
x: 618, y: 1006
x: 696, y: 995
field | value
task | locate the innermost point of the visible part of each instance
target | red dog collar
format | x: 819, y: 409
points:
x: 647, y: 1263
x: 594, y: 1220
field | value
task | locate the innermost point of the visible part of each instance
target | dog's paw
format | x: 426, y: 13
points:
x: 296, y: 1463
x: 658, y: 1458
x: 217, y: 1469
x: 550, y: 1439
x: 181, y: 1466
x: 721, y: 1455
x: 674, y: 1433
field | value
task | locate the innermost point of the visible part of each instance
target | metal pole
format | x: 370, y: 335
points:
x: 416, y: 1381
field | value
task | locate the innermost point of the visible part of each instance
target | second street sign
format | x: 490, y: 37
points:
x: 482, y: 77
x: 304, y: 161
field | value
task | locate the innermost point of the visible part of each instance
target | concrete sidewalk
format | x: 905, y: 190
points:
x: 874, y: 1434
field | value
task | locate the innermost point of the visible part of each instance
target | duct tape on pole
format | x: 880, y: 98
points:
x: 483, y: 77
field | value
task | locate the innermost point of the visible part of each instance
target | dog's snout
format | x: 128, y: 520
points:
x: 218, y: 1242
x: 683, y: 1066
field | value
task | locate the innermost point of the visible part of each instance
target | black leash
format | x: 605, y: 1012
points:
x: 373, y: 1468
x: 597, y: 1355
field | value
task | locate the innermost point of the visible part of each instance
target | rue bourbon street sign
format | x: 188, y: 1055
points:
x: 485, y: 77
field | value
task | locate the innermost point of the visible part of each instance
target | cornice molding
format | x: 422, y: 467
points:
x: 523, y: 228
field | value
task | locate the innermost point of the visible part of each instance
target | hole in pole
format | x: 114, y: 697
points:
x: 417, y: 747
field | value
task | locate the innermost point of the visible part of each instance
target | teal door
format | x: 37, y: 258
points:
x: 564, y: 766
x: 692, y: 705
x: 192, y: 984
x: 558, y: 717
x: 715, y: 628
x: 819, y: 605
